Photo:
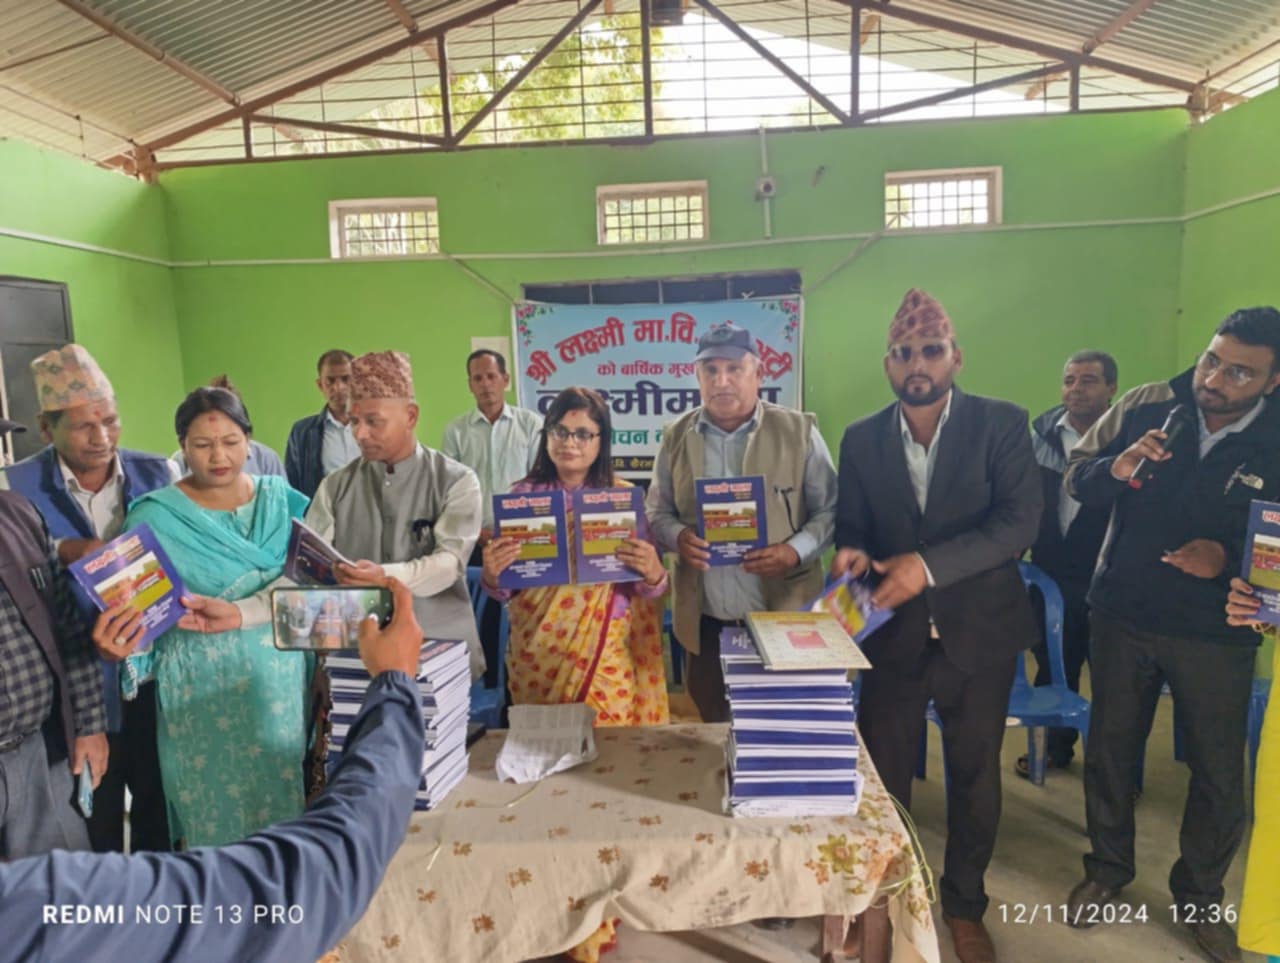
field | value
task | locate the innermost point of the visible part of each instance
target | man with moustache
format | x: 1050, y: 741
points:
x: 1156, y: 604
x: 321, y: 444
x: 496, y: 440
x: 939, y: 496
x: 402, y: 509
x: 1070, y: 535
x: 734, y: 433
x: 499, y: 442
x: 82, y: 484
x: 52, y: 719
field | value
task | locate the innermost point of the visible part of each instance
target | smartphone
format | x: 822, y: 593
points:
x: 325, y: 618
x: 84, y: 790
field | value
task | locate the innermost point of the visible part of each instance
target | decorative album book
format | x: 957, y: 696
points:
x: 804, y: 640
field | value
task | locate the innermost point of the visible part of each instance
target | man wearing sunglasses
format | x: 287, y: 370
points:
x: 1156, y: 603
x: 939, y: 495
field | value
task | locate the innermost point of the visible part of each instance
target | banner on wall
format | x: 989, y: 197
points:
x: 640, y: 358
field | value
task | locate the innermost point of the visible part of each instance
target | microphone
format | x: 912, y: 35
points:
x: 1172, y: 427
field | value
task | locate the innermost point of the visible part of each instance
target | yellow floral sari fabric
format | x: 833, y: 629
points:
x: 592, y: 644
x: 1260, y: 911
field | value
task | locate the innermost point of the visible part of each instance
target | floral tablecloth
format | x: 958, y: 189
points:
x: 504, y: 872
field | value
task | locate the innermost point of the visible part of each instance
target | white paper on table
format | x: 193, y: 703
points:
x: 546, y: 739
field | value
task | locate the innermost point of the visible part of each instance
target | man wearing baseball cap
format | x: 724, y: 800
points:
x: 735, y: 433
x: 82, y: 484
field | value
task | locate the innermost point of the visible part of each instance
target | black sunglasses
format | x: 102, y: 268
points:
x: 903, y: 353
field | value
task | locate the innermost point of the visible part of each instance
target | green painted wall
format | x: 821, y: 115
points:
x: 1229, y: 257
x: 121, y: 310
x: 1022, y: 300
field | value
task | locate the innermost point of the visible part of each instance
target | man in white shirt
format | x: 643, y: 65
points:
x: 320, y: 444
x: 82, y: 484
x: 1067, y: 545
x: 496, y: 440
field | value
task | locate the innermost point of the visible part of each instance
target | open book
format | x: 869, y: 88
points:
x: 310, y: 560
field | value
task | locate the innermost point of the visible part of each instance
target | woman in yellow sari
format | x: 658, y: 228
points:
x: 598, y: 644
x: 1260, y: 909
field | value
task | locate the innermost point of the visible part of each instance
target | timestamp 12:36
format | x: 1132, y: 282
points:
x: 1025, y: 914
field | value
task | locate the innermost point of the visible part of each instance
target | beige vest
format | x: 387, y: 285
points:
x: 391, y: 518
x: 776, y: 448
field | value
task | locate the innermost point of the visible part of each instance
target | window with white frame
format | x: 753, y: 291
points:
x: 651, y: 213
x: 958, y: 197
x: 383, y: 227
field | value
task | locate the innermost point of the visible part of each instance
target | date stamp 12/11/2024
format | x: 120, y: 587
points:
x: 1026, y: 914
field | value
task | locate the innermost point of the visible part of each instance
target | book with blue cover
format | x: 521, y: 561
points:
x: 537, y: 521
x: 762, y: 785
x: 731, y: 516
x: 1261, y: 563
x: 133, y: 568
x: 603, y: 518
x: 849, y: 600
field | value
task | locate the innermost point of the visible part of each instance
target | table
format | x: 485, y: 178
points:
x: 504, y: 872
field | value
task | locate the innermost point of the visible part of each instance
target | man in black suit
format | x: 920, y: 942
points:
x: 939, y: 495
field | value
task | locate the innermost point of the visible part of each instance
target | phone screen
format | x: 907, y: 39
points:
x: 325, y: 618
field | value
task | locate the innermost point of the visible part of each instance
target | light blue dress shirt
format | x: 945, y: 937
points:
x: 728, y: 591
x: 1210, y: 438
x: 500, y: 453
x: 338, y: 446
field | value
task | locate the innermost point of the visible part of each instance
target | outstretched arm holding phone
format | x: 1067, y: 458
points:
x: 289, y: 892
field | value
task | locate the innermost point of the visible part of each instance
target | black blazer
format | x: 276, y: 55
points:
x: 982, y: 512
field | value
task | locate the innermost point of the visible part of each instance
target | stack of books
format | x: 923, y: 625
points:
x: 793, y: 748
x: 444, y: 680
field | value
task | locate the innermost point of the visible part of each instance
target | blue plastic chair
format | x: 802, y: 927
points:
x: 1035, y: 708
x: 1257, y: 710
x: 486, y: 704
x: 677, y: 650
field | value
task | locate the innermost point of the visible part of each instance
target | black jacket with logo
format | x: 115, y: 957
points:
x: 1186, y: 498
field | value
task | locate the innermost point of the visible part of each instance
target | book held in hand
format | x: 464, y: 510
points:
x: 731, y: 516
x: 309, y: 559
x: 1261, y: 564
x: 849, y: 600
x: 804, y: 640
x: 133, y: 568
x: 537, y: 521
x: 603, y: 519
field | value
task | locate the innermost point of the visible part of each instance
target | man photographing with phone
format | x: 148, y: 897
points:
x: 318, y: 871
x: 1156, y: 605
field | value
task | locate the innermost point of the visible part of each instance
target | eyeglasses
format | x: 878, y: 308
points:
x: 903, y: 353
x: 1239, y: 376
x: 581, y: 436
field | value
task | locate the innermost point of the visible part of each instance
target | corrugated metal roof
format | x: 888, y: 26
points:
x: 100, y: 95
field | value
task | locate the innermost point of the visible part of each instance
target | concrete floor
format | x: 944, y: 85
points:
x: 1037, y: 860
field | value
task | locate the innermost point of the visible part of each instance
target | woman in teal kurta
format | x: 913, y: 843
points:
x: 232, y: 730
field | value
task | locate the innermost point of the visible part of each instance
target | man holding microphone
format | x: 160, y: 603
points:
x: 1175, y: 539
